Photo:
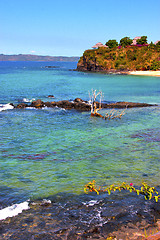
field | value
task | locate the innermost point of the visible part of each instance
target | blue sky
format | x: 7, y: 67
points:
x: 67, y: 28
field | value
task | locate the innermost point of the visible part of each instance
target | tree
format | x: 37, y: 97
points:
x: 142, y: 40
x: 94, y: 108
x: 158, y: 43
x: 112, y: 43
x: 126, y: 41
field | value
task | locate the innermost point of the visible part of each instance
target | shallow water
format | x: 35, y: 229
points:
x: 46, y: 152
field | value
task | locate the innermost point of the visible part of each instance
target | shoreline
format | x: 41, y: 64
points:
x: 52, y: 219
x: 123, y: 72
x: 145, y: 73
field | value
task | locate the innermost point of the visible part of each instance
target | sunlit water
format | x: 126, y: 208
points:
x: 49, y: 151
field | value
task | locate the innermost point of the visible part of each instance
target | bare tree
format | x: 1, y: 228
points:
x: 96, y: 105
x: 114, y: 114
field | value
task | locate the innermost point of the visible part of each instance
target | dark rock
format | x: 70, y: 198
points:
x: 51, y: 67
x: 80, y: 105
x: 11, y: 104
x: 65, y: 104
x: 37, y: 104
x: 22, y: 105
x: 78, y: 100
x: 50, y: 96
x: 49, y: 104
x: 126, y: 105
x: 109, y: 227
x: 53, y: 104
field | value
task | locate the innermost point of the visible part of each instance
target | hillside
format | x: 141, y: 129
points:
x: 120, y: 59
x: 29, y: 57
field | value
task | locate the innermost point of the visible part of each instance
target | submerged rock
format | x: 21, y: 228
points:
x: 50, y: 96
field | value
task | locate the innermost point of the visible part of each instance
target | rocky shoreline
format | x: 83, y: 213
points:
x: 62, y: 219
x: 79, y: 104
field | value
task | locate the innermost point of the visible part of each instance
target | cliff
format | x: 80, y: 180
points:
x: 120, y: 59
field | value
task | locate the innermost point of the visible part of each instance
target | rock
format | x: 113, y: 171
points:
x: 11, y: 104
x: 51, y: 67
x: 80, y: 105
x: 126, y: 105
x: 22, y: 105
x: 37, y: 104
x: 50, y: 96
x: 78, y: 100
x: 65, y: 104
x: 50, y: 104
x: 53, y: 104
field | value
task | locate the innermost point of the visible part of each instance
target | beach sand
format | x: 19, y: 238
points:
x: 145, y: 73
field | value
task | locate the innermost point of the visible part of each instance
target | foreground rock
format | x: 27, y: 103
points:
x: 80, y: 105
x: 63, y: 218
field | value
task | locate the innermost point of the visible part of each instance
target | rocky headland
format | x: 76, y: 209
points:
x: 120, y: 59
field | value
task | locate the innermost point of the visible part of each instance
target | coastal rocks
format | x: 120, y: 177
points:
x: 37, y: 104
x: 126, y: 105
x: 51, y: 67
x: 89, y: 65
x: 50, y: 96
x: 22, y: 105
x: 77, y: 104
x: 80, y: 105
x: 78, y: 100
x: 65, y: 104
x: 68, y: 217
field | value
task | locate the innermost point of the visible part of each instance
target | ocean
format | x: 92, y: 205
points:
x: 48, y: 155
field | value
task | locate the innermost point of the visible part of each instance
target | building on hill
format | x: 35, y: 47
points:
x: 99, y: 44
x: 135, y: 41
x: 157, y: 42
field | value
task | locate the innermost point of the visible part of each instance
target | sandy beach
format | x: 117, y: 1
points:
x: 145, y: 73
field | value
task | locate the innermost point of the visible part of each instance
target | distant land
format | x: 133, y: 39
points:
x: 30, y: 57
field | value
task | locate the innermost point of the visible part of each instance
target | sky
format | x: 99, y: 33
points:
x: 68, y: 28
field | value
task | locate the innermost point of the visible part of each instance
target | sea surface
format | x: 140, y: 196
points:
x: 52, y: 153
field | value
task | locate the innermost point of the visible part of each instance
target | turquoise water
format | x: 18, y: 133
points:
x: 49, y: 151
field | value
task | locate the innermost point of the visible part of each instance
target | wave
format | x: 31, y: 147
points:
x: 13, y: 210
x: 26, y: 100
x: 4, y: 107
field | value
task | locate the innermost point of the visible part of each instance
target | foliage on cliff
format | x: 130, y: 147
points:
x: 120, y: 58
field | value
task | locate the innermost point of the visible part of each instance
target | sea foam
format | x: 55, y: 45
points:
x: 26, y: 100
x: 13, y: 210
x: 4, y: 107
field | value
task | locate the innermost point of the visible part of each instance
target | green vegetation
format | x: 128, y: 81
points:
x: 142, y: 40
x: 112, y: 43
x: 124, y: 57
x: 147, y: 191
x: 126, y: 41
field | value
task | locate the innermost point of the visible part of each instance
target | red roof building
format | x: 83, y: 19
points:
x: 99, y: 44
x: 157, y: 42
x: 135, y: 41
